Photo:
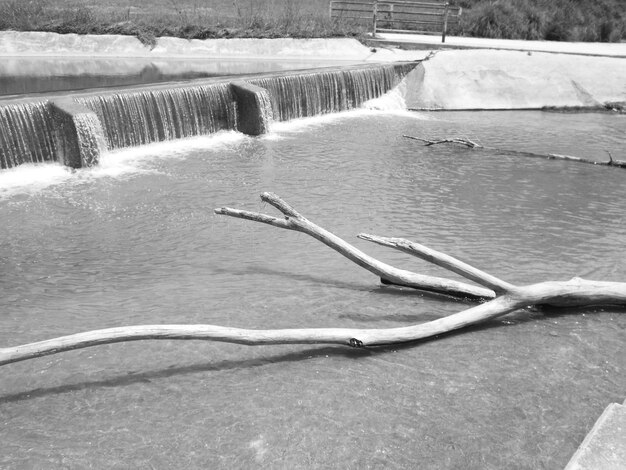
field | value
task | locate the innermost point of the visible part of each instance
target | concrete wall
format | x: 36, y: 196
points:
x: 489, y: 79
x: 254, y: 110
x: 78, y: 132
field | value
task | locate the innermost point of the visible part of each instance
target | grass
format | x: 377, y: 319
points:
x: 561, y: 20
x: 191, y: 19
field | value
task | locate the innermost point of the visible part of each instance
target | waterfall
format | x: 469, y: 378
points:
x: 321, y: 92
x: 90, y: 138
x: 26, y: 134
x: 76, y: 129
x: 141, y: 117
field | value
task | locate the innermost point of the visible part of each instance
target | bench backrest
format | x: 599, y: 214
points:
x: 410, y: 16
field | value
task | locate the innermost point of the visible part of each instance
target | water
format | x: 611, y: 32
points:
x: 144, y: 115
x: 32, y: 75
x: 312, y: 94
x: 135, y: 241
x: 26, y: 134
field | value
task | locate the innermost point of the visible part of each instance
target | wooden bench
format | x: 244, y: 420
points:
x: 399, y: 16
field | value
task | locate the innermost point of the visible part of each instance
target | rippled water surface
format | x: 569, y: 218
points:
x: 136, y: 242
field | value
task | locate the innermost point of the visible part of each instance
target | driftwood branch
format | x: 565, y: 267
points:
x: 389, y: 274
x: 442, y: 260
x: 574, y: 293
x: 577, y: 292
x: 550, y: 156
x: 460, y: 141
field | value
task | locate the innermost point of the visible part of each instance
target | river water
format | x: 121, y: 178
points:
x: 34, y: 75
x: 135, y: 241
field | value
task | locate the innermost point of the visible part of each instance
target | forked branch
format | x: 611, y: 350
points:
x: 441, y: 259
x: 295, y: 221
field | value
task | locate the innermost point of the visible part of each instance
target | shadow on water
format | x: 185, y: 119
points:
x: 130, y: 378
x: 381, y: 288
x: 291, y: 277
x: 145, y: 377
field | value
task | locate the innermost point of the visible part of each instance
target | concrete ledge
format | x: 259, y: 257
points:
x: 423, y: 41
x: 604, y: 448
x: 78, y: 134
x: 254, y: 108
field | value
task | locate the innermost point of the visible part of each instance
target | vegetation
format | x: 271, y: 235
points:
x: 553, y: 20
x: 191, y: 19
x: 560, y: 20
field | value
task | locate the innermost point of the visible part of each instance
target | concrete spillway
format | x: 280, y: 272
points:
x: 488, y: 79
x: 76, y: 129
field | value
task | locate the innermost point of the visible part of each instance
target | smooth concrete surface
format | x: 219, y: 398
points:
x: 78, y: 133
x: 492, y: 79
x: 42, y: 44
x: 604, y: 448
x: 253, y: 108
x: 607, y: 49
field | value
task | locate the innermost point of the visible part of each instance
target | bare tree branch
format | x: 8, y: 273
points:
x: 445, y: 261
x: 390, y: 274
x: 573, y: 293
x: 550, y: 156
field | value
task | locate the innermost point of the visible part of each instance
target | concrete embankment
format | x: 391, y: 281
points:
x: 489, y: 79
x: 41, y: 44
x: 451, y: 79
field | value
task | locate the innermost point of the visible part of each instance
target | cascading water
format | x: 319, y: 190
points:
x: 90, y: 138
x: 26, y: 134
x: 79, y: 135
x: 142, y: 117
x: 313, y: 93
x: 264, y: 102
x: 34, y: 132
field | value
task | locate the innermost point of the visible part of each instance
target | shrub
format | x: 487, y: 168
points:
x: 22, y: 15
x: 504, y: 19
x: 556, y: 20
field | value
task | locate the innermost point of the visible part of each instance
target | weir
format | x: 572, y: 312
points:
x: 78, y: 132
x: 85, y: 125
x: 26, y: 134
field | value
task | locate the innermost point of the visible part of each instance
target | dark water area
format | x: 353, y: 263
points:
x: 32, y: 75
x: 135, y: 241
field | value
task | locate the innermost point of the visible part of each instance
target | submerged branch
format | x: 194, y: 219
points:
x: 460, y: 141
x: 441, y: 259
x: 549, y: 156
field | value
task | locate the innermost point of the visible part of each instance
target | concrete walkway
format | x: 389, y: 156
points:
x: 420, y: 41
x: 604, y: 448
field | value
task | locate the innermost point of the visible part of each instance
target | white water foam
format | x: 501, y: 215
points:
x: 132, y: 161
x: 391, y: 101
x: 30, y: 179
x: 278, y: 129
